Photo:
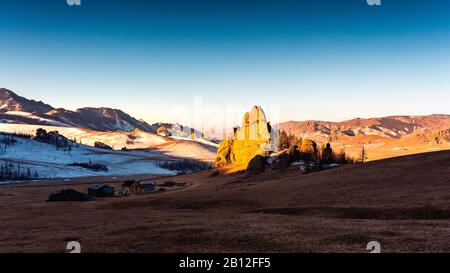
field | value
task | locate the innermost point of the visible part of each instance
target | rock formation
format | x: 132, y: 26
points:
x: 163, y: 131
x: 102, y: 145
x: 439, y: 137
x: 257, y: 164
x: 255, y: 138
x: 281, y: 160
x: 52, y: 137
x: 327, y: 154
x: 308, y: 150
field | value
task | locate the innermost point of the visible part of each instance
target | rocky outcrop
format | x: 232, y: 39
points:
x: 102, y: 145
x: 52, y: 137
x: 280, y: 160
x: 327, y: 154
x: 254, y: 138
x: 225, y: 156
x: 439, y: 137
x: 308, y: 150
x: 257, y: 164
x: 163, y: 131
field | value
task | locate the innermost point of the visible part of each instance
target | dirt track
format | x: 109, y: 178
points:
x: 404, y: 203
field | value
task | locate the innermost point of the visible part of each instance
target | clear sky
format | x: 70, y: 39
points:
x: 329, y: 60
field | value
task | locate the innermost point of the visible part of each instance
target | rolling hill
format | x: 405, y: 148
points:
x: 41, y: 161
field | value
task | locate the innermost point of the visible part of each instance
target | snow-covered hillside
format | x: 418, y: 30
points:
x: 136, y: 148
x: 30, y: 116
x: 49, y: 162
x: 176, y: 147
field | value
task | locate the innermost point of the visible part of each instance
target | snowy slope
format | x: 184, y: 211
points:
x: 178, y: 147
x: 188, y: 149
x: 37, y: 119
x: 49, y: 162
x: 89, y: 137
x: 199, y: 140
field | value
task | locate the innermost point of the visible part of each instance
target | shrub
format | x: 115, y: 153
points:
x: 288, y: 140
x: 186, y: 165
x: 96, y: 167
x: 10, y: 171
x: 7, y: 139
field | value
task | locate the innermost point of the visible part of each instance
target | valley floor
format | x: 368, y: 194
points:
x: 403, y: 202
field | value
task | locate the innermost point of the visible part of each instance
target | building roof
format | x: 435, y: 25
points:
x: 128, y: 183
x: 99, y: 186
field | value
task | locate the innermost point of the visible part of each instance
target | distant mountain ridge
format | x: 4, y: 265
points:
x: 17, y: 109
x: 390, y: 127
x: 12, y: 102
x: 100, y: 119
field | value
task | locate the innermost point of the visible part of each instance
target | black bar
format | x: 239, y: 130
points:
x: 252, y: 262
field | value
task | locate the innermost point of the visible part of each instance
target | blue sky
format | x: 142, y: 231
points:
x: 329, y: 60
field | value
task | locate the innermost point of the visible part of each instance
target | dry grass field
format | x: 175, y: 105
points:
x: 402, y: 202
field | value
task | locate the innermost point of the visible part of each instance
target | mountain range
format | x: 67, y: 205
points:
x: 17, y: 109
x: 381, y: 136
x: 395, y: 127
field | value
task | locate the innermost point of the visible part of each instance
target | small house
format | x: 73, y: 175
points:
x: 169, y: 184
x: 128, y: 187
x: 69, y: 195
x: 136, y: 187
x: 101, y: 190
x: 148, y: 187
